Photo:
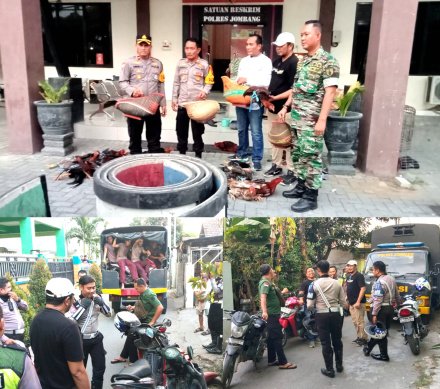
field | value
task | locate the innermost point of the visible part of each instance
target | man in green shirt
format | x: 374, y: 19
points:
x: 271, y: 307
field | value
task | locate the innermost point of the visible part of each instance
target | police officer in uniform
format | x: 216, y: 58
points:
x: 142, y: 75
x: 16, y: 368
x: 328, y: 297
x: 312, y: 96
x: 86, y: 312
x: 193, y: 81
x: 271, y: 308
x: 384, y: 296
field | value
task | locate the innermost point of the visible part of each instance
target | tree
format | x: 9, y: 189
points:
x: 38, y: 279
x: 95, y: 272
x: 85, y: 232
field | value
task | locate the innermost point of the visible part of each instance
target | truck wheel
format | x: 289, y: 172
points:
x: 228, y: 370
x: 414, y: 344
x: 116, y: 306
x: 426, y: 319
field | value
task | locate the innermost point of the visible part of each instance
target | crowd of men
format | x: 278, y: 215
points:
x: 62, y: 335
x: 327, y: 297
x: 306, y: 88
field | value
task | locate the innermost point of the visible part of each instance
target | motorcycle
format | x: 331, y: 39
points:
x: 155, y: 367
x: 295, y: 321
x: 412, y: 327
x: 247, y: 342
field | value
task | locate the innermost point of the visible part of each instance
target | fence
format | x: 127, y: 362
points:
x: 20, y: 267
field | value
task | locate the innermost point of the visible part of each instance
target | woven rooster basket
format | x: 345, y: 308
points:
x: 203, y: 110
x: 139, y: 107
x: 233, y: 92
x: 280, y: 135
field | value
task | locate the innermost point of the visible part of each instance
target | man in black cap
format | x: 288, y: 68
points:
x: 271, y: 307
x: 142, y: 75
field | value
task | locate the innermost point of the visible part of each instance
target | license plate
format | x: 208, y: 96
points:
x: 406, y: 319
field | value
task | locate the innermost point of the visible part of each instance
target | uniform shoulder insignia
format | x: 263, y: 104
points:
x: 209, y: 79
x: 266, y: 283
x: 162, y: 76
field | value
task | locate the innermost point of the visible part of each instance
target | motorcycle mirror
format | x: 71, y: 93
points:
x: 166, y: 323
x: 190, y: 352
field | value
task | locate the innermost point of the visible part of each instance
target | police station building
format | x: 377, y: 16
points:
x: 97, y: 36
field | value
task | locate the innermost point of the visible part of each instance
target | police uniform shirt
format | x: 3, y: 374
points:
x: 384, y: 292
x: 272, y: 302
x: 313, y: 75
x: 332, y: 291
x: 145, y: 74
x: 191, y: 78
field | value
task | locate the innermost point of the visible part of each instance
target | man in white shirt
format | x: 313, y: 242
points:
x: 254, y: 70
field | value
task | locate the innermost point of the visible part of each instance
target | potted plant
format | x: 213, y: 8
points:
x: 54, y: 113
x: 342, y: 124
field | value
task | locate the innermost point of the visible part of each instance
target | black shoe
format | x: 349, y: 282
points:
x: 214, y: 350
x: 308, y: 202
x: 210, y: 345
x: 199, y: 155
x: 328, y: 373
x: 361, y: 342
x: 380, y: 357
x: 289, y: 178
x: 182, y: 152
x: 273, y: 171
x: 356, y: 340
x: 366, y: 351
x: 339, y: 368
x: 297, y: 192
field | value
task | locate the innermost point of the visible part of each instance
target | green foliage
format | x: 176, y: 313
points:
x: 197, y: 283
x: 85, y: 232
x: 344, y: 101
x: 26, y: 315
x: 53, y: 95
x: 95, y: 272
x: 38, y: 279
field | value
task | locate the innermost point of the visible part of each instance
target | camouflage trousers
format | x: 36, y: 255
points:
x: 307, y: 156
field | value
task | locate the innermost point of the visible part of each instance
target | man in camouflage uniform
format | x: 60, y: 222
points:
x: 142, y: 75
x: 313, y: 92
x: 384, y: 296
x: 193, y: 81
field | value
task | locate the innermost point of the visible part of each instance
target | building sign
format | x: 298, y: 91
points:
x: 232, y: 14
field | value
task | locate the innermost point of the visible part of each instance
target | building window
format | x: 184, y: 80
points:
x: 82, y: 32
x: 424, y: 59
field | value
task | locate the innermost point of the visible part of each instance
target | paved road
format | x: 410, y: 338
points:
x: 181, y: 332
x: 403, y: 371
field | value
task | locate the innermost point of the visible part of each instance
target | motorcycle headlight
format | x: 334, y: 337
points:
x: 173, y: 354
x: 238, y: 331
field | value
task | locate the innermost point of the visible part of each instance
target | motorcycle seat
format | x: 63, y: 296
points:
x: 139, y: 369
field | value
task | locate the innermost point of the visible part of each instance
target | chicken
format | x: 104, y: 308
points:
x: 229, y: 147
x: 238, y: 170
x: 81, y: 167
x: 262, y: 94
x: 252, y: 190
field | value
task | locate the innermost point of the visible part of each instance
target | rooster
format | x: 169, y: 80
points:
x: 238, y: 170
x: 254, y: 190
x: 262, y: 94
x: 229, y: 147
x: 83, y: 166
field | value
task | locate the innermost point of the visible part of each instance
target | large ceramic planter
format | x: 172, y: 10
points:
x: 55, y: 119
x: 341, y: 132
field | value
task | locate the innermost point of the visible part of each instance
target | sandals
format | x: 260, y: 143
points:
x: 198, y: 330
x: 118, y: 360
x: 207, y: 332
x: 287, y: 366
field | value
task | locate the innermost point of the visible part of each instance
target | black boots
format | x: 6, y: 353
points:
x: 383, y: 348
x: 308, y: 202
x: 329, y: 373
x: 338, y: 360
x: 217, y: 348
x: 297, y: 192
x: 213, y: 342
